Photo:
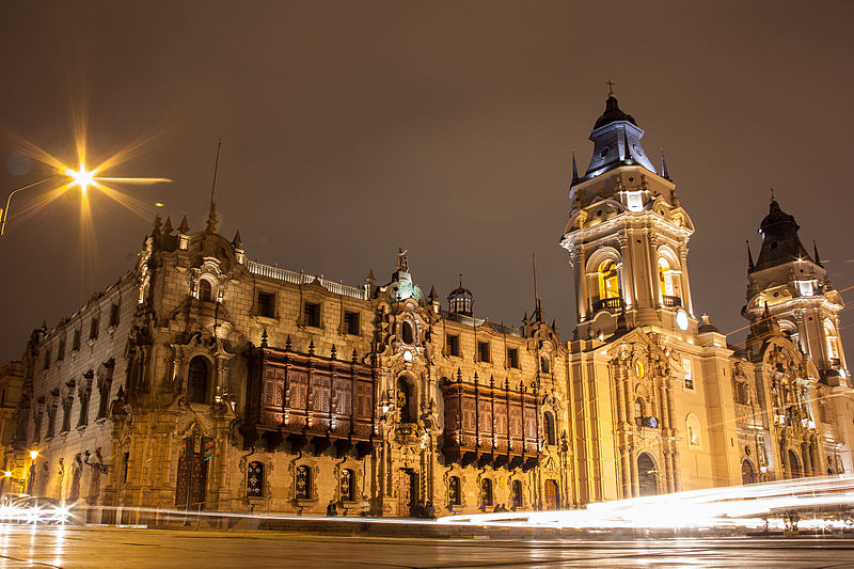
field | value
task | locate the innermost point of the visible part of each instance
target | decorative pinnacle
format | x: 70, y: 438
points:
x: 184, y: 227
x: 213, y: 221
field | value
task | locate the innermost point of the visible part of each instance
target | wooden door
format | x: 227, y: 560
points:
x: 407, y: 493
x: 192, y: 474
x: 552, y: 495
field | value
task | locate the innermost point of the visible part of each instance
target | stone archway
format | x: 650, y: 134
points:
x: 647, y: 475
x: 795, y: 468
x: 748, y: 473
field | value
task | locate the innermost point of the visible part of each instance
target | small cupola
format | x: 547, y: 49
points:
x: 461, y: 300
x: 616, y: 139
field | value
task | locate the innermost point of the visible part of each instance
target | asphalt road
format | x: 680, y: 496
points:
x: 92, y: 547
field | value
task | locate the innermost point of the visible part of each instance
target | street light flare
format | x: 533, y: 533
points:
x: 81, y: 178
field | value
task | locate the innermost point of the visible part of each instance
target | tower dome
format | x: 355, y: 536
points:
x: 780, y: 242
x: 461, y: 300
x: 616, y: 139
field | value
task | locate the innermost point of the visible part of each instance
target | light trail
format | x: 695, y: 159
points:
x: 730, y: 507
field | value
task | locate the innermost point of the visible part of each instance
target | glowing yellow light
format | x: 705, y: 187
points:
x: 158, y: 204
x: 81, y: 178
x: 8, y: 474
x: 34, y: 454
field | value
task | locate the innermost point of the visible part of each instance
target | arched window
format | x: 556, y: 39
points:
x: 609, y: 282
x: 516, y: 494
x: 647, y: 476
x: 205, y: 290
x: 405, y: 401
x: 454, y: 494
x: 302, y: 487
x: 406, y: 333
x: 197, y: 380
x: 545, y: 364
x: 347, y: 485
x: 255, y: 480
x: 831, y: 339
x: 486, y: 492
x: 748, y: 473
x: 692, y: 428
x: 665, y: 277
x: 549, y: 428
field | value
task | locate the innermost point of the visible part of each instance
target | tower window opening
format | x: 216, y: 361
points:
x: 665, y: 276
x: 453, y: 345
x: 832, y: 341
x: 609, y: 282
x: 205, y: 290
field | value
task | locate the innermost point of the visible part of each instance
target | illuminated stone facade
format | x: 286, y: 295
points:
x: 204, y: 380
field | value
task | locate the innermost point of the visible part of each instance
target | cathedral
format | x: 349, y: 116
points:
x: 205, y: 381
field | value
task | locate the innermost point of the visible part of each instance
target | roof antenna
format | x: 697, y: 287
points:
x: 213, y: 222
x: 537, y: 306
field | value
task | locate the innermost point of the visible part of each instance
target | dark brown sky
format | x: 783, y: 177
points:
x: 352, y: 128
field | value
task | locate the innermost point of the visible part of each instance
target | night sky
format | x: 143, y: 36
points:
x: 353, y: 128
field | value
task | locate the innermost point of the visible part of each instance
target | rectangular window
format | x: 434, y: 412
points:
x: 513, y: 358
x: 351, y: 323
x: 60, y: 354
x: 47, y: 358
x: 689, y: 377
x: 114, y: 315
x: 76, y: 344
x: 93, y: 329
x: 483, y: 351
x: 454, y: 345
x: 266, y: 304
x: 311, y: 314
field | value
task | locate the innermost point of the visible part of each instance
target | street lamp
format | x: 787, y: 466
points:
x: 34, y: 454
x: 81, y: 178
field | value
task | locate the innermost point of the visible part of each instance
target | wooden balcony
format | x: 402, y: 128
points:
x: 490, y: 425
x: 306, y: 399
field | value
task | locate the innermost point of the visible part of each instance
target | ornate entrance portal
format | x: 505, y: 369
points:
x: 407, y: 493
x: 647, y: 476
x: 193, y: 473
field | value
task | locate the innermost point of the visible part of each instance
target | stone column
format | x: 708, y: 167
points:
x: 686, y: 284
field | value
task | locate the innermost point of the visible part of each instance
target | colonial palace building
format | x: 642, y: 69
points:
x: 203, y: 380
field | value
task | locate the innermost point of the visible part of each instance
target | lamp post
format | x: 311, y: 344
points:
x: 82, y: 178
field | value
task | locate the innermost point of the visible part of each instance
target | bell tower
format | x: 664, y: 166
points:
x: 789, y: 290
x: 627, y: 236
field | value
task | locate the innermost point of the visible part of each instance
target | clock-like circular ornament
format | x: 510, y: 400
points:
x: 682, y: 319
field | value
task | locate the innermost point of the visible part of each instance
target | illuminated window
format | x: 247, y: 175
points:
x: 639, y: 410
x: 692, y: 429
x: 831, y: 340
x: 665, y: 276
x: 609, y: 285
x: 347, y: 485
x: 687, y: 365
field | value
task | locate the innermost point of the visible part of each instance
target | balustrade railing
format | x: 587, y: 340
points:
x: 285, y: 275
x: 609, y: 303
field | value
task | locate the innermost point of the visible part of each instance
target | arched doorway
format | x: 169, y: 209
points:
x: 647, y: 476
x: 795, y: 468
x: 552, y: 495
x: 748, y: 473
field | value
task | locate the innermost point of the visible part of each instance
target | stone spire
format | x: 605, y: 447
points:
x: 750, y: 263
x: 213, y: 221
x: 184, y: 227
